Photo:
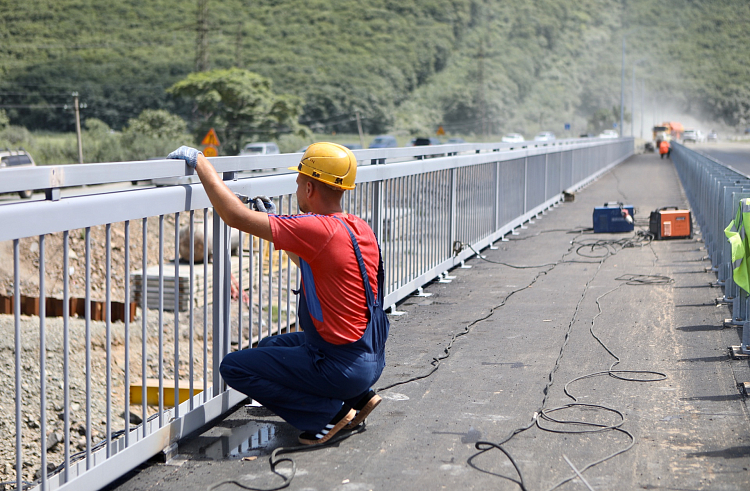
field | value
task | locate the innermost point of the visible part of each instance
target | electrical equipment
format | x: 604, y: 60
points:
x: 670, y: 222
x: 613, y: 217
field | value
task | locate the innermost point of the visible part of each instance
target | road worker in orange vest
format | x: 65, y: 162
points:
x: 664, y: 148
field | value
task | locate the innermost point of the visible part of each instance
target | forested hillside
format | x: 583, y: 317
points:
x: 405, y: 65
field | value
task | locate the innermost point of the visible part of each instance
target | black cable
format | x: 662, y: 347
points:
x: 600, y: 249
x: 274, y: 461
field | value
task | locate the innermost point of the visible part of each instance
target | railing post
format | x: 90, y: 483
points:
x: 453, y: 203
x: 377, y: 210
x: 220, y: 294
x: 525, y: 181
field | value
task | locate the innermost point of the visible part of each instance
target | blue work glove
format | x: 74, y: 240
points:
x: 264, y: 204
x: 188, y: 154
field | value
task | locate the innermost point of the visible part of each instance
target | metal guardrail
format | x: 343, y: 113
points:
x: 419, y: 209
x: 714, y: 191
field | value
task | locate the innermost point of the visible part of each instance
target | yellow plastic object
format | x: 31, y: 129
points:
x: 330, y: 163
x: 152, y: 392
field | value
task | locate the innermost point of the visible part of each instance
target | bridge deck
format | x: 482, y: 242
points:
x: 691, y: 430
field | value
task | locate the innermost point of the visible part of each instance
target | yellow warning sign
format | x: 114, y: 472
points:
x: 211, y: 138
x: 440, y: 131
x: 210, y: 151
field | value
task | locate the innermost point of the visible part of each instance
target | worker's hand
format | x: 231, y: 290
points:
x: 188, y: 154
x: 264, y: 204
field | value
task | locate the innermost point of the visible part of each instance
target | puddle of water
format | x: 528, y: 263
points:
x: 242, y: 441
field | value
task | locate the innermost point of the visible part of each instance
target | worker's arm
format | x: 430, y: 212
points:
x: 227, y: 205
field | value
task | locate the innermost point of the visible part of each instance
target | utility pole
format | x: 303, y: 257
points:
x: 359, y: 128
x: 632, y: 107
x: 78, y: 127
x: 480, y: 90
x: 622, y: 88
x: 201, y: 52
x: 643, y: 89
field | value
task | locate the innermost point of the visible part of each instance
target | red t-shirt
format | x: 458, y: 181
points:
x: 330, y: 271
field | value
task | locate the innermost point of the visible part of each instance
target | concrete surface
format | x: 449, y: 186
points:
x: 530, y: 332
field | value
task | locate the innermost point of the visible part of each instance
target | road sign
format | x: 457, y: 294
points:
x: 567, y: 126
x: 211, y: 138
x: 210, y: 151
x: 440, y: 131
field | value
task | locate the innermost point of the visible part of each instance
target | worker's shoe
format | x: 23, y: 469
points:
x: 364, y: 407
x: 338, y: 422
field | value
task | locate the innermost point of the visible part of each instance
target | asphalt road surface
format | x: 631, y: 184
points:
x: 736, y: 155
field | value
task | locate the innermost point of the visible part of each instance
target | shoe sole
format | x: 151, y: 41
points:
x: 338, y: 427
x: 364, y: 412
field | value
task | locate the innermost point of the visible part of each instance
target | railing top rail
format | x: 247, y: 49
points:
x: 62, y: 176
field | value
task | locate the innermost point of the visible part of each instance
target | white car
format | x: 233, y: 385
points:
x: 544, y: 136
x: 513, y: 138
x: 15, y: 159
x: 609, y: 134
x: 260, y: 148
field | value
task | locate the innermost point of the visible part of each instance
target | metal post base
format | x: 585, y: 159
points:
x: 422, y: 293
x: 724, y: 301
x: 465, y: 266
x: 744, y: 388
x: 733, y: 322
x: 393, y: 311
x: 737, y: 353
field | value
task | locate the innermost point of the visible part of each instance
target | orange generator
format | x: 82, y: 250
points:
x: 670, y: 222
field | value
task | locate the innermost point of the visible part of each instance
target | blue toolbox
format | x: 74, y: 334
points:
x: 613, y: 217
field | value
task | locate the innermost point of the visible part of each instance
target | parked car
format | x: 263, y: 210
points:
x: 421, y: 141
x: 14, y: 159
x: 260, y: 148
x: 544, y: 136
x: 609, y: 134
x: 513, y: 138
x: 712, y: 136
x: 456, y: 140
x: 383, y: 141
x: 693, y: 136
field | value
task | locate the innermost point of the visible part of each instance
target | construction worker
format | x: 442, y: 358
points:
x: 319, y: 380
x: 664, y: 149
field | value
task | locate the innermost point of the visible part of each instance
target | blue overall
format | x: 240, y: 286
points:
x: 305, y: 379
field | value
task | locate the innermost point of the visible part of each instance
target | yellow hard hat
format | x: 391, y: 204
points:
x: 330, y: 163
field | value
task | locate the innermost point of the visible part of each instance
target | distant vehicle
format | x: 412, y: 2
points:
x: 421, y: 141
x: 384, y: 141
x: 544, y: 136
x: 18, y: 158
x: 260, y: 148
x: 352, y: 146
x: 693, y: 136
x: 609, y: 134
x: 712, y: 136
x: 587, y: 135
x: 456, y: 140
x: 513, y: 138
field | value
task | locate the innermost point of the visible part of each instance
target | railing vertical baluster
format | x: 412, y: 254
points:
x: 177, y: 315
x: 126, y: 411
x: 191, y: 312
x: 42, y: 364
x: 239, y: 287
x: 161, y: 320
x: 144, y: 325
x: 89, y: 463
x: 66, y: 355
x: 205, y: 305
x: 108, y: 341
x: 17, y: 347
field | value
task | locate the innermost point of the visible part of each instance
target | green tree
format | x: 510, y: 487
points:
x: 240, y: 105
x: 157, y: 123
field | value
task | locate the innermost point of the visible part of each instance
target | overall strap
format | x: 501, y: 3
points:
x: 363, y: 272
